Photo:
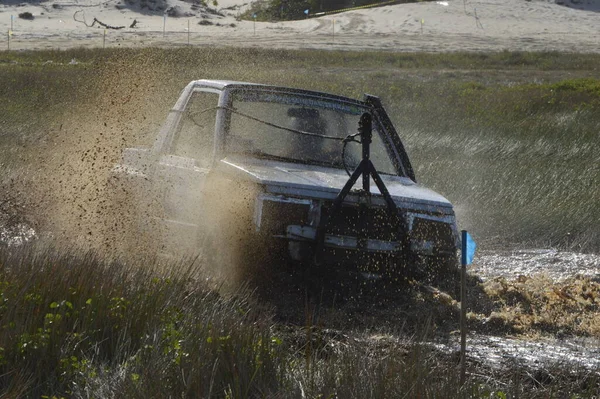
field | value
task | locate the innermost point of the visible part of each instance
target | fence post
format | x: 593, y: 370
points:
x: 333, y: 32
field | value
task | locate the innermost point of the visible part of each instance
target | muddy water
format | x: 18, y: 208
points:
x: 16, y: 234
x: 555, y: 264
x: 14, y: 229
x: 572, y: 353
x: 501, y: 352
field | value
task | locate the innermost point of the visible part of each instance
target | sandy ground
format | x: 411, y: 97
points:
x: 453, y: 25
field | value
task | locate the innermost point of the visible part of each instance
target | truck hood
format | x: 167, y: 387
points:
x: 321, y: 182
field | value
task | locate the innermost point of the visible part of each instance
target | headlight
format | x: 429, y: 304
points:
x: 274, y: 213
x: 431, y: 236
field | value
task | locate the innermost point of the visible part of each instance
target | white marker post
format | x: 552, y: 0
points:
x: 254, y: 18
x: 12, y: 17
x: 422, y: 23
x: 468, y: 247
x: 188, y: 32
x: 164, y: 25
x: 333, y: 30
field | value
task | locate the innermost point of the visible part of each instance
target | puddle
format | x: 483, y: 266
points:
x: 574, y: 352
x: 555, y: 264
x: 14, y: 228
x: 501, y: 352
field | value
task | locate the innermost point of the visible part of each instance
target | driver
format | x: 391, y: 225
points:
x: 310, y: 147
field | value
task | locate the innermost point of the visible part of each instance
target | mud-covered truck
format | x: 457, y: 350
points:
x: 311, y: 179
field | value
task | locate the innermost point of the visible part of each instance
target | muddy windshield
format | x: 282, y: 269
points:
x: 298, y: 128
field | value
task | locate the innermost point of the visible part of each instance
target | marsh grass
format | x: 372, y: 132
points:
x: 509, y: 138
x: 75, y: 326
x: 72, y: 325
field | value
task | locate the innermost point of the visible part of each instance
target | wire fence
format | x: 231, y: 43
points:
x: 19, y: 37
x: 101, y: 38
x: 182, y: 34
x: 106, y: 38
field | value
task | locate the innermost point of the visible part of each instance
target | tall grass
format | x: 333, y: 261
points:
x: 72, y: 325
x: 522, y: 159
x: 75, y: 326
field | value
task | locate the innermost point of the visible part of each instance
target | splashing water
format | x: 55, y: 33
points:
x: 17, y: 234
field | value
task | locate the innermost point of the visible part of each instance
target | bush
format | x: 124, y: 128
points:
x: 294, y: 9
x: 26, y: 15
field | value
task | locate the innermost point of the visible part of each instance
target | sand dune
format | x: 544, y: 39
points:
x: 451, y: 25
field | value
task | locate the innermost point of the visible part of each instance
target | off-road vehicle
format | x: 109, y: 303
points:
x: 269, y: 172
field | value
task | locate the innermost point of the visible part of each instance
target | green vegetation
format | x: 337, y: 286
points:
x: 508, y: 137
x: 274, y: 10
x: 73, y: 326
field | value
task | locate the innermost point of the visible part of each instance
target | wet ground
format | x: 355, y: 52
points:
x: 571, y: 354
x: 557, y: 265
x: 500, y: 351
x: 16, y: 234
x: 14, y: 229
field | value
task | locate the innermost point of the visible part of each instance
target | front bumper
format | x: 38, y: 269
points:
x: 295, y: 220
x: 307, y: 233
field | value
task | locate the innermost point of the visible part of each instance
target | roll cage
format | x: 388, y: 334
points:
x: 227, y: 90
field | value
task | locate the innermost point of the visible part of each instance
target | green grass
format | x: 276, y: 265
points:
x: 71, y: 325
x: 74, y: 326
x: 507, y: 137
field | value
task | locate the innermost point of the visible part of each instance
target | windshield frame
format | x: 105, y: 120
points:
x: 345, y: 103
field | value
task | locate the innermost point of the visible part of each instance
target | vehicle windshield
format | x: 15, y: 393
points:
x: 305, y: 129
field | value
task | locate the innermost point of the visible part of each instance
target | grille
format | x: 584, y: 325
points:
x: 363, y: 222
x: 439, y: 233
x: 276, y: 216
